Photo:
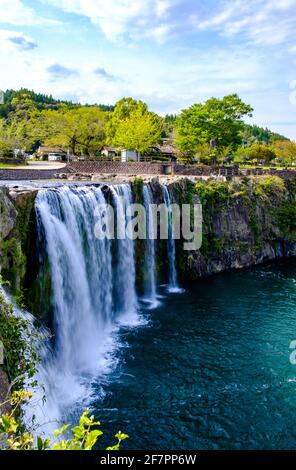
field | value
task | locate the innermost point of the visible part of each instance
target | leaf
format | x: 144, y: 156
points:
x: 78, y: 432
x: 92, y: 439
x: 121, y: 436
x: 59, y: 432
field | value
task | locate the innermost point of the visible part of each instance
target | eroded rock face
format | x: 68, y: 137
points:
x: 16, y: 231
x: 246, y: 222
x: 7, y: 214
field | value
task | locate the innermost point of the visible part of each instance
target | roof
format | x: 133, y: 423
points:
x: 168, y: 149
x: 110, y: 149
x: 44, y: 149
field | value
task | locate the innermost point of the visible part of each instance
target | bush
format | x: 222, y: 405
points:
x: 269, y: 186
x: 20, y: 355
x: 84, y: 436
x: 212, y: 192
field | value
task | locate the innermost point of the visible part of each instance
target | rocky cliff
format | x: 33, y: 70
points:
x: 246, y: 221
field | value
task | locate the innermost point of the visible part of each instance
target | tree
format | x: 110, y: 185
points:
x: 258, y: 135
x: 17, y: 134
x: 285, y: 152
x: 134, y: 127
x: 256, y: 153
x: 79, y: 130
x: 218, y: 120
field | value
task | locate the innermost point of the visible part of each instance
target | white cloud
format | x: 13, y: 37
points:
x: 264, y: 22
x: 14, y: 40
x: 118, y: 17
x: 16, y: 13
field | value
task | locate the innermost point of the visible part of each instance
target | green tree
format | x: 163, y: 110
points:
x: 16, y: 134
x: 218, y: 120
x: 80, y: 130
x: 134, y: 127
x: 261, y: 153
x: 285, y: 152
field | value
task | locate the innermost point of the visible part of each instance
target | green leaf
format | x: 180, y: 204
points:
x: 59, y: 432
x: 92, y: 439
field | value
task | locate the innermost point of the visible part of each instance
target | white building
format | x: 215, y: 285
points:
x: 130, y: 156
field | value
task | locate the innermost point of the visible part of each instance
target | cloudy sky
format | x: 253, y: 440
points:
x: 169, y: 53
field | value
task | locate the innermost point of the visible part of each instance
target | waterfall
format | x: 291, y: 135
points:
x: 125, y: 270
x: 150, y: 284
x: 93, y: 289
x: 171, y: 244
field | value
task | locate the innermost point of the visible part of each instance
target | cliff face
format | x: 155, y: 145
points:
x: 17, y: 234
x: 245, y: 222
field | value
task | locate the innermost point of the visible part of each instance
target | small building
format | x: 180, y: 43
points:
x: 109, y: 152
x: 130, y: 156
x: 164, y: 151
x: 51, y: 154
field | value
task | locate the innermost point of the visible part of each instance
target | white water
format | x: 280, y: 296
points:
x: 150, y: 285
x: 94, y: 292
x: 173, y: 286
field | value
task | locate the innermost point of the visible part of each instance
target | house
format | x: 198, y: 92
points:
x: 109, y: 152
x: 46, y: 153
x: 164, y: 151
x: 130, y: 156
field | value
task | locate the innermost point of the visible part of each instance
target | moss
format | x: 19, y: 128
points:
x: 14, y: 263
x: 212, y: 192
x: 137, y: 189
x: 20, y: 356
x: 269, y: 186
x: 25, y: 218
x: 287, y: 217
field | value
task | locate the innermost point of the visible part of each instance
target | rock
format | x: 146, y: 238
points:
x: 7, y: 213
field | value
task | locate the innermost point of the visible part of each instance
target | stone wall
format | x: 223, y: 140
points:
x: 137, y: 169
x: 28, y: 174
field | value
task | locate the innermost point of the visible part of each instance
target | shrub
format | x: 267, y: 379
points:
x: 84, y: 436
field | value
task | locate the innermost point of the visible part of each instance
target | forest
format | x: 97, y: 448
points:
x: 213, y: 132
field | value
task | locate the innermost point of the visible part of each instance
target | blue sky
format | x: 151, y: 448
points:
x: 169, y: 53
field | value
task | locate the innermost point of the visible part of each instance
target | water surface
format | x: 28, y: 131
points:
x: 212, y: 368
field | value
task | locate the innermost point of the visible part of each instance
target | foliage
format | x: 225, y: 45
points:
x: 137, y: 188
x: 212, y: 192
x: 80, y: 130
x: 287, y: 217
x: 285, y: 152
x: 268, y: 186
x: 21, y: 356
x: 217, y: 119
x: 84, y: 436
x: 258, y: 135
x: 29, y: 119
x: 256, y: 153
x: 133, y: 126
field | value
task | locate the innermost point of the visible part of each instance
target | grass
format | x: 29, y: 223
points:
x: 9, y: 166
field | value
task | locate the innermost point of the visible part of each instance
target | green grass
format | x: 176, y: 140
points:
x: 9, y: 166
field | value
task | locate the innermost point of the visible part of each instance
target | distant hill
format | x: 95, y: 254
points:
x: 24, y: 97
x: 256, y: 134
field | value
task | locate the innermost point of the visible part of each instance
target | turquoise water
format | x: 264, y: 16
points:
x: 211, y: 370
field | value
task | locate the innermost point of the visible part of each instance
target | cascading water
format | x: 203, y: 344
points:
x: 150, y: 287
x: 93, y: 289
x: 125, y: 271
x: 173, y: 278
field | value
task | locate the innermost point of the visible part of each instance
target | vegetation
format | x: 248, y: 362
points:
x: 217, y: 121
x: 21, y: 356
x: 84, y: 436
x: 133, y: 126
x: 209, y: 133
